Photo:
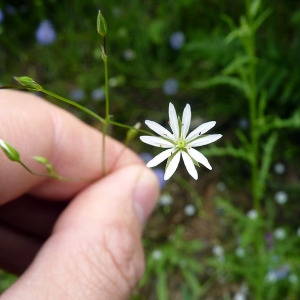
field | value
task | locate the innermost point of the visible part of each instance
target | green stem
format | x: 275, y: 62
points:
x: 91, y: 113
x: 86, y: 110
x: 129, y: 127
x: 107, y: 116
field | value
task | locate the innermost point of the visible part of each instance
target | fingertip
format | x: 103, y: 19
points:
x: 145, y: 194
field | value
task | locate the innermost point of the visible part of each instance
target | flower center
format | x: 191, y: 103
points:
x: 181, y: 144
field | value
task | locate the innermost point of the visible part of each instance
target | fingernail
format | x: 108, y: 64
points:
x: 145, y: 195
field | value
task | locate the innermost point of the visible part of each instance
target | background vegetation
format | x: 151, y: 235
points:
x: 234, y: 233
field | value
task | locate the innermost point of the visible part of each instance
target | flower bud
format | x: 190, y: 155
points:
x: 41, y: 159
x: 132, y: 132
x: 10, y: 151
x: 101, y: 24
x: 29, y: 83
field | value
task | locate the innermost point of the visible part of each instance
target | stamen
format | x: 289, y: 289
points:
x: 169, y: 122
x: 160, y: 145
x: 200, y: 133
x: 182, y: 125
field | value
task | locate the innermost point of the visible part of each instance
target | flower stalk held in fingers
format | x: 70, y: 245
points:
x: 180, y: 143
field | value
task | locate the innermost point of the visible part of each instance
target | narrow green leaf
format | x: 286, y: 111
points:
x: 266, y: 162
x: 220, y: 80
x: 254, y: 7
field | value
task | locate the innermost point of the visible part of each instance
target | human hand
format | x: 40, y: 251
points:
x: 84, y: 238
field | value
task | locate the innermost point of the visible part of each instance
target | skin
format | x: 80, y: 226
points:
x: 69, y: 239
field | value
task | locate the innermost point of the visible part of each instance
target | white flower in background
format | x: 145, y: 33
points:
x: 280, y: 233
x: 190, y: 210
x: 252, y: 214
x: 165, y: 200
x: 157, y: 254
x: 279, y: 168
x: 293, y: 279
x: 281, y: 197
x: 180, y: 143
x: 218, y: 250
x: 240, y: 252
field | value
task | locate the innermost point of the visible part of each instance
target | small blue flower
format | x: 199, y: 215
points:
x: 160, y: 173
x: 10, y: 9
x: 243, y: 123
x: 129, y: 54
x: 1, y: 16
x: 170, y: 86
x: 146, y: 157
x: 278, y: 274
x: 98, y: 94
x: 176, y: 40
x: 45, y: 33
x: 77, y: 94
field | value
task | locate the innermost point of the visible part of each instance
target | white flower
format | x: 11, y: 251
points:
x: 180, y: 143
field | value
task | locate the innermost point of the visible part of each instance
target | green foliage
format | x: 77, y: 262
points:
x: 6, y: 280
x: 266, y: 259
x: 175, y: 255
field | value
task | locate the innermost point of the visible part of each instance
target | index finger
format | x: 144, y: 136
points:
x: 36, y: 127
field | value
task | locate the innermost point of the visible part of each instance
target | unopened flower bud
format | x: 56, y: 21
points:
x: 29, y: 83
x: 101, y: 24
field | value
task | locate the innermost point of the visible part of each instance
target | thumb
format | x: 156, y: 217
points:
x: 95, y: 251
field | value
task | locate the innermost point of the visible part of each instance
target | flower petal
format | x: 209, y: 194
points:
x: 156, y: 141
x: 199, y: 157
x: 186, y: 120
x: 171, y: 168
x: 203, y: 128
x: 159, y: 158
x: 173, y: 120
x: 189, y: 165
x: 159, y: 129
x: 205, y: 140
